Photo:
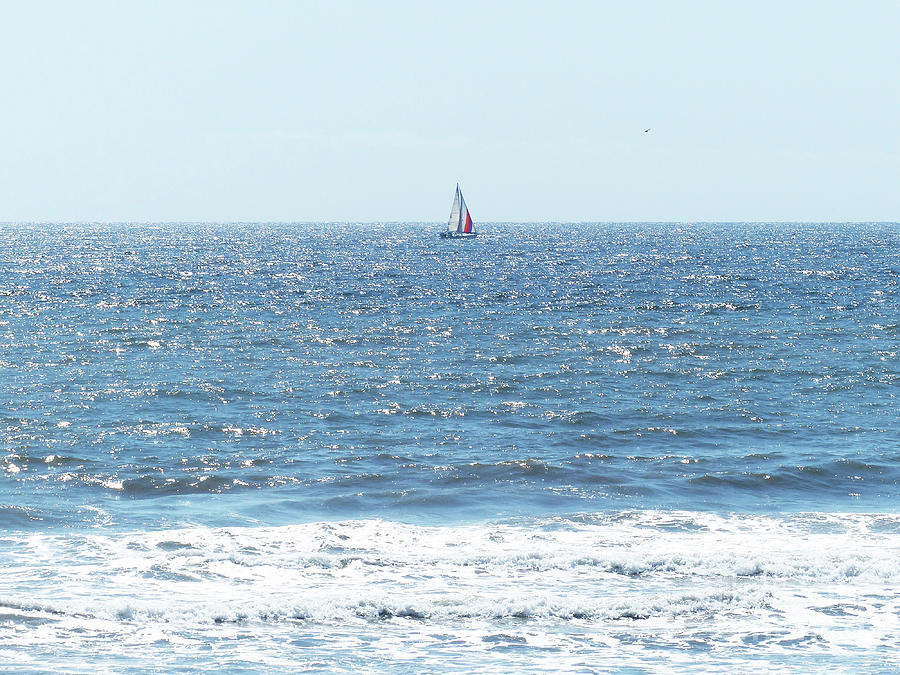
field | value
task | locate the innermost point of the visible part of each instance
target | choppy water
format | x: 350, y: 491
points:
x: 345, y: 447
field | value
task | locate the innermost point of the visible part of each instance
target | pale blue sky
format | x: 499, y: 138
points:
x: 371, y: 111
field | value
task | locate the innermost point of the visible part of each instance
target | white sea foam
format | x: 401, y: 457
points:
x: 818, y: 583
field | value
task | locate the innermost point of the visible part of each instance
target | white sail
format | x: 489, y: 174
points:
x: 453, y: 223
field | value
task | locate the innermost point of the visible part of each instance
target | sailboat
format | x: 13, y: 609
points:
x: 460, y: 225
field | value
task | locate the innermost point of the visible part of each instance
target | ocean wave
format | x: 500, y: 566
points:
x: 379, y: 608
x: 590, y: 558
x: 160, y: 486
x: 806, y: 586
x: 13, y: 517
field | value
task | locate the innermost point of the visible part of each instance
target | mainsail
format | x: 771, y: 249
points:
x: 453, y: 223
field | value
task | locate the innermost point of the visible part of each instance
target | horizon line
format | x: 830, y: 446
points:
x: 441, y: 222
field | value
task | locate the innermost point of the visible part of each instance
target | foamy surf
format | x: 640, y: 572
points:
x: 747, y: 587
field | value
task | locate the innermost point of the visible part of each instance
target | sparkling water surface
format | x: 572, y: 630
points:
x: 350, y: 447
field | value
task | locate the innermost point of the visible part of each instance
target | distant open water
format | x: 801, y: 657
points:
x: 344, y: 447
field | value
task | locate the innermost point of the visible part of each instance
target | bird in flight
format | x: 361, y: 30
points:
x: 646, y: 130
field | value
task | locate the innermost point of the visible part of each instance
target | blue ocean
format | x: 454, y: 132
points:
x: 580, y: 448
